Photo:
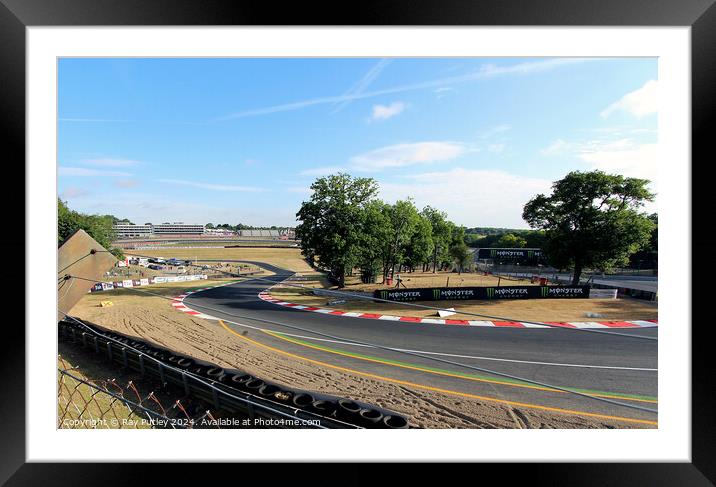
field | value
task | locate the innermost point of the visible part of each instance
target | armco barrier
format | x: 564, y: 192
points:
x: 231, y: 390
x: 108, y: 286
x: 482, y: 293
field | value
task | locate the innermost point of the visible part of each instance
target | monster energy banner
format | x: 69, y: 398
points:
x: 486, y: 293
x: 510, y: 254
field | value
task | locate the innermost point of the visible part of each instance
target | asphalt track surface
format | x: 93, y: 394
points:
x: 614, y: 367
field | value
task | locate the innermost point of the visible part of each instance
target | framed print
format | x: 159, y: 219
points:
x: 442, y: 218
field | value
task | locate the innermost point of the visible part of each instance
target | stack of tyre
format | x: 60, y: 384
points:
x: 345, y: 410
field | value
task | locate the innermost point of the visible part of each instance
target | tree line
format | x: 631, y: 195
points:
x: 504, y: 238
x: 590, y: 220
x: 99, y: 227
x: 344, y: 227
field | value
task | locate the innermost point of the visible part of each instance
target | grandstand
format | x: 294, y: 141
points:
x: 283, y: 233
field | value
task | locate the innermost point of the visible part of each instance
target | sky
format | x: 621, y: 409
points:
x: 241, y: 140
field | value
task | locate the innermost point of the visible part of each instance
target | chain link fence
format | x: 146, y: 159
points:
x: 109, y: 404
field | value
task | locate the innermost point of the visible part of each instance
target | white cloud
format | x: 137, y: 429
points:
x: 211, y: 186
x: 623, y: 156
x: 559, y: 146
x: 109, y: 162
x: 86, y: 172
x: 362, y: 84
x: 485, y: 72
x: 402, y: 155
x: 529, y: 67
x: 631, y: 160
x: 471, y: 197
x: 496, y: 130
x: 384, y: 112
x: 74, y: 192
x: 443, y: 91
x: 640, y: 103
x: 322, y: 171
x: 126, y: 183
x: 299, y: 190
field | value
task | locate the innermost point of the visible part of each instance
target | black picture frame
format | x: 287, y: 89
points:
x: 699, y: 15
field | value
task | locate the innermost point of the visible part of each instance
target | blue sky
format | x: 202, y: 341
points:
x: 241, y: 140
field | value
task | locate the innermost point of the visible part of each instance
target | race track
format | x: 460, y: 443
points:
x: 610, y: 366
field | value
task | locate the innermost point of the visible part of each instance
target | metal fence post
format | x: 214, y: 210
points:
x: 141, y: 364
x: 186, y: 383
x: 109, y: 350
x: 215, y: 395
x: 124, y: 357
x: 161, y: 374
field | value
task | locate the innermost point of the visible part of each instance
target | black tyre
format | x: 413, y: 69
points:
x: 395, y: 422
x: 159, y: 355
x: 268, y: 390
x: 241, y: 380
x: 215, y: 373
x: 325, y: 408
x: 184, y: 363
x: 254, y: 385
x: 198, y: 369
x: 348, y: 410
x: 303, y: 400
x: 370, y: 417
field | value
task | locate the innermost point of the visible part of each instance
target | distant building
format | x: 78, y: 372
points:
x: 178, y: 228
x: 148, y: 229
x: 220, y: 232
x: 260, y: 233
x: 128, y: 230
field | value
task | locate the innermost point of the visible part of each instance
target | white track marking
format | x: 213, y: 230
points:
x: 448, y: 354
x: 472, y: 323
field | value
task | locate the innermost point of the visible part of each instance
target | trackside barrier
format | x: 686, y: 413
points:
x: 482, y: 293
x: 108, y: 286
x: 231, y: 390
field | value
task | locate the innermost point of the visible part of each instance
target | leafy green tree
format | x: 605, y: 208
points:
x: 99, y: 227
x: 648, y: 256
x: 375, y: 232
x: 591, y: 219
x: 403, y: 217
x: 441, y: 233
x: 511, y: 241
x: 459, y: 252
x: 419, y: 249
x: 534, y: 239
x: 331, y: 222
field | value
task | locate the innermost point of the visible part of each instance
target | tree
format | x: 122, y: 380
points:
x: 374, y: 233
x: 591, y: 219
x: 648, y: 256
x: 511, y: 241
x: 458, y: 249
x: 441, y: 233
x: 403, y: 218
x: 209, y: 226
x: 331, y: 222
x: 419, y: 249
x: 99, y: 227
